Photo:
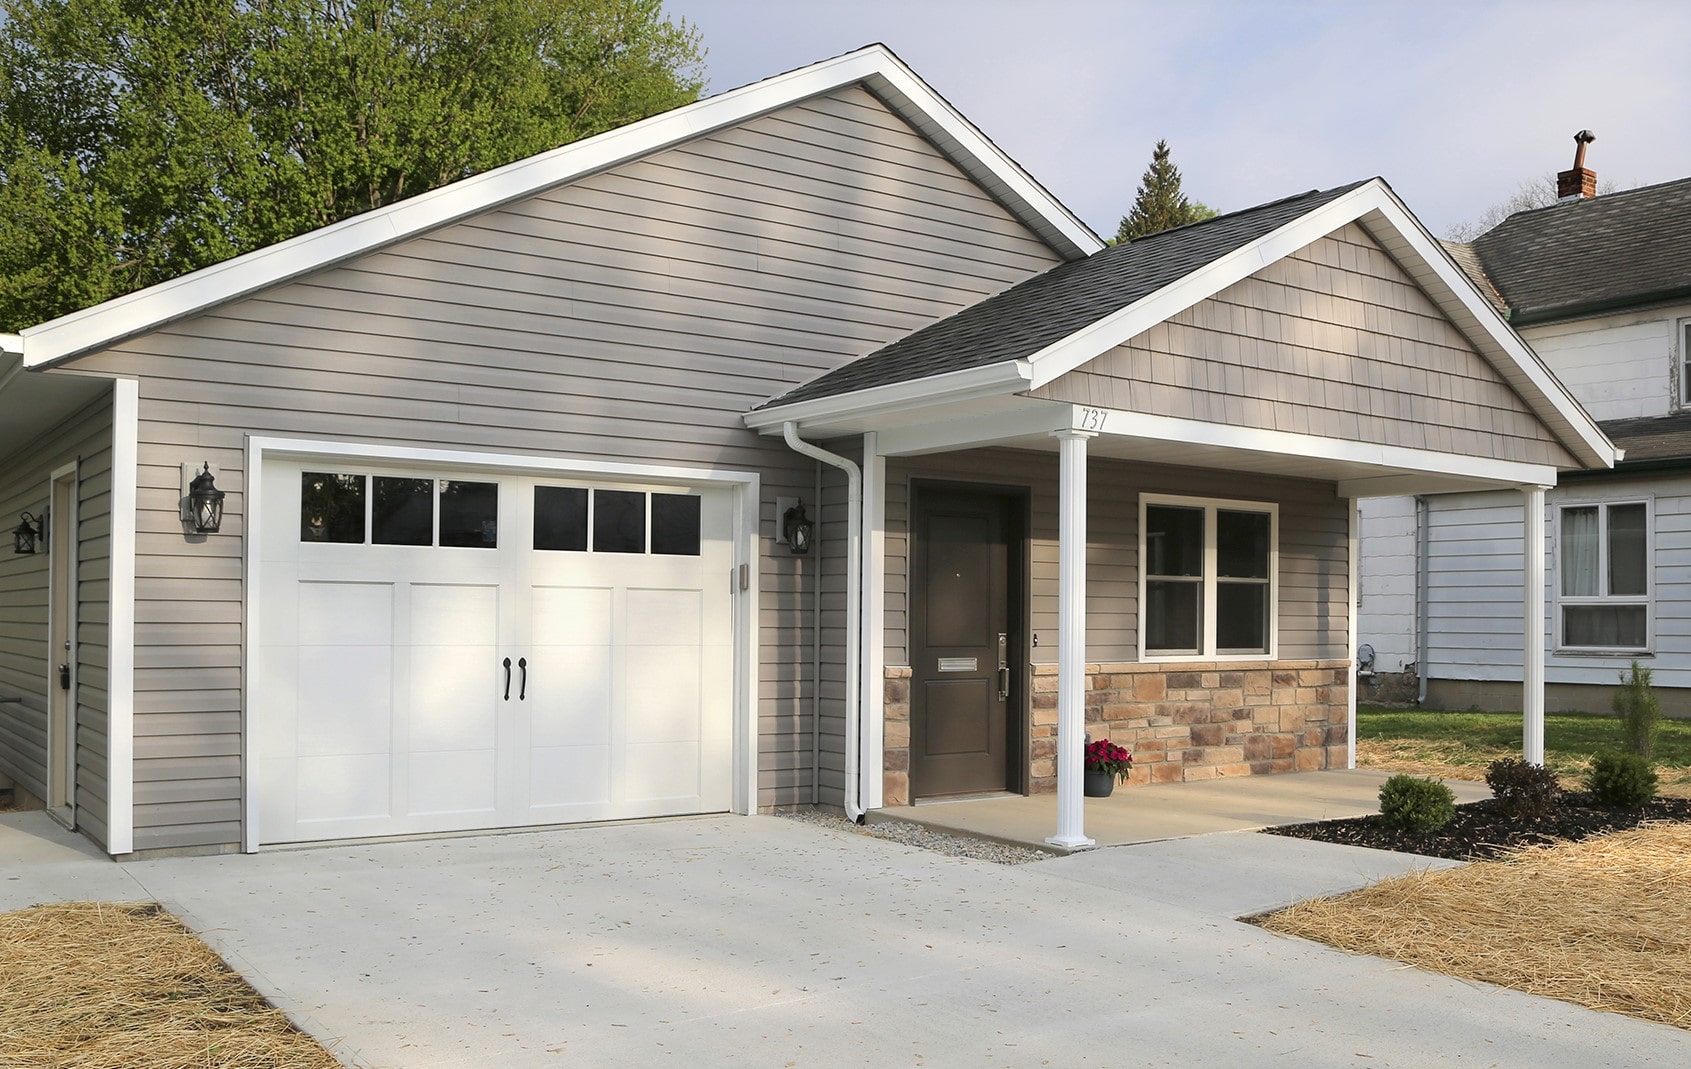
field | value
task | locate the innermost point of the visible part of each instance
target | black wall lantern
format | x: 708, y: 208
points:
x: 797, y: 530
x: 205, y: 502
x: 27, y: 534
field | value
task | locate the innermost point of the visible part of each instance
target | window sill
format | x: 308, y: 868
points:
x: 1620, y: 655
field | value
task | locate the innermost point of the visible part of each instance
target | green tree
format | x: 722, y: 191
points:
x: 141, y: 139
x: 1159, y: 204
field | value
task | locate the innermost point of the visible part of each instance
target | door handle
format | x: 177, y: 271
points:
x: 507, y: 679
x: 1003, y: 666
x: 522, y: 684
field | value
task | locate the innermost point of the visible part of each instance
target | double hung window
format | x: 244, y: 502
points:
x: 1603, y: 575
x: 1207, y: 577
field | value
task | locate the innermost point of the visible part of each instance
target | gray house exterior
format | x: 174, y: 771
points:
x: 1600, y: 286
x: 509, y: 467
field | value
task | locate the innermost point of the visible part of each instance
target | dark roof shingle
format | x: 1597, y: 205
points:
x: 1051, y: 306
x: 1586, y: 255
x: 1651, y: 439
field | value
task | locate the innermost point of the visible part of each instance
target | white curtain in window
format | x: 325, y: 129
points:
x: 1579, y: 552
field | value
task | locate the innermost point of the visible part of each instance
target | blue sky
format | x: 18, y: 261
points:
x: 1455, y: 104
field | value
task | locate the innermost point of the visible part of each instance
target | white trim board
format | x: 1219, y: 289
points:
x: 747, y: 496
x: 875, y: 65
x: 120, y: 683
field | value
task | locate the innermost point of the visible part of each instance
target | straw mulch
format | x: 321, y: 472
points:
x: 92, y: 985
x: 1604, y: 923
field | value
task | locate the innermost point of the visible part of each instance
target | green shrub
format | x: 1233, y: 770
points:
x: 1523, y: 791
x: 1621, y: 779
x: 1640, y: 711
x: 1420, y: 805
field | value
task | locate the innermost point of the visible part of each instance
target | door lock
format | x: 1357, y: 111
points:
x: 64, y: 675
x: 1003, y: 667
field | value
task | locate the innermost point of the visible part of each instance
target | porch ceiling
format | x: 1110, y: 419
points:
x: 32, y: 402
x: 1015, y: 422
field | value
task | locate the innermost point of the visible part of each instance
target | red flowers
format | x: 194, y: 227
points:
x: 1105, y: 756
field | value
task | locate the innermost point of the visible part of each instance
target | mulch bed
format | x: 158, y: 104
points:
x: 1480, y: 830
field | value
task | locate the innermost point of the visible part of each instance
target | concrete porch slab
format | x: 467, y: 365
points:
x: 1148, y: 814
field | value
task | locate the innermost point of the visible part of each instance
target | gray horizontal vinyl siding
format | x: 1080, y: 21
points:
x: 634, y: 315
x: 1475, y: 596
x: 1314, y: 564
x: 1334, y: 340
x: 26, y: 664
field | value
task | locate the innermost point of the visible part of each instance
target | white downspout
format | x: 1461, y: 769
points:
x: 1423, y: 665
x: 854, y: 610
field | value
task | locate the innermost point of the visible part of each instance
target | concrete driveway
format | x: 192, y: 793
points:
x: 768, y: 942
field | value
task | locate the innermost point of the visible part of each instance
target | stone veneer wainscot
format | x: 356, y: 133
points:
x: 1189, y: 721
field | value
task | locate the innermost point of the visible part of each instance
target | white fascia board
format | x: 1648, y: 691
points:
x: 1500, y: 337
x: 1061, y: 357
x: 11, y: 344
x: 133, y: 313
x: 1315, y: 447
x: 946, y: 127
x: 989, y: 380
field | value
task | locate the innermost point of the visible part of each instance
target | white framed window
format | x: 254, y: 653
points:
x: 1604, y: 581
x: 1208, y: 578
x: 1684, y: 339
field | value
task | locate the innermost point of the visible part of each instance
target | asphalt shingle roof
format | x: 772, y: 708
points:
x: 1649, y: 439
x: 1051, y: 306
x: 1586, y: 255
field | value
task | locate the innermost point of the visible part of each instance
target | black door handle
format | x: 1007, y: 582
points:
x: 522, y: 685
x: 507, y: 679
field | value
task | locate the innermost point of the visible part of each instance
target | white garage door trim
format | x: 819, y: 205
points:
x: 745, y: 487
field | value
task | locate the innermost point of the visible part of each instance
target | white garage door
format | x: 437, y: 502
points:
x: 440, y: 651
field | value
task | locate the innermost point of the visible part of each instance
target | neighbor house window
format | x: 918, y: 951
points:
x: 1604, y: 575
x: 1208, y: 577
x: 1685, y: 363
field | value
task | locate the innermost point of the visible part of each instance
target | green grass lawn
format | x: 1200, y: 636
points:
x: 1461, y: 745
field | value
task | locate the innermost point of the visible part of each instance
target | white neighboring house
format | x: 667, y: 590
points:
x: 1600, y: 286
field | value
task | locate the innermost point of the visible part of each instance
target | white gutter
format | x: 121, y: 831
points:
x: 854, y: 612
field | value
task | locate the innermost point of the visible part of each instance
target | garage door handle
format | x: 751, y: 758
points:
x: 522, y: 684
x: 507, y: 679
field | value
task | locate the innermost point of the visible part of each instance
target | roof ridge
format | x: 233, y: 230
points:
x: 1235, y: 213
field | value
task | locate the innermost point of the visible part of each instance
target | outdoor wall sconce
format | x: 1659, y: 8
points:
x: 28, y: 533
x: 205, y: 502
x: 797, y: 530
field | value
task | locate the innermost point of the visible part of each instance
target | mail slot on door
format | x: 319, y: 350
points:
x: 958, y: 664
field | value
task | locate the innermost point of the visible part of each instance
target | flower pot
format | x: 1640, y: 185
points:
x: 1099, y: 784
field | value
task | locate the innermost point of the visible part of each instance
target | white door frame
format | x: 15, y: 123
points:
x: 62, y: 519
x: 744, y: 578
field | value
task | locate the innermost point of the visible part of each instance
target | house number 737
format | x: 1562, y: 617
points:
x: 1091, y: 419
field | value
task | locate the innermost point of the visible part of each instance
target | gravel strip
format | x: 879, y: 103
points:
x: 923, y: 837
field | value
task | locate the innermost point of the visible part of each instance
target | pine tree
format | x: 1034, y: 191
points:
x: 1159, y: 203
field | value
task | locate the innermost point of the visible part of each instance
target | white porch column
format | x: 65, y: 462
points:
x: 1355, y: 599
x: 1071, y: 638
x: 1532, y: 623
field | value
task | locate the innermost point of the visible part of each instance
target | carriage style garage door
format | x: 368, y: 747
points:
x: 440, y: 651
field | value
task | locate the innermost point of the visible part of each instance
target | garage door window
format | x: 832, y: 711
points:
x: 469, y: 514
x: 331, y: 507
x: 560, y: 518
x: 338, y: 507
x: 575, y: 519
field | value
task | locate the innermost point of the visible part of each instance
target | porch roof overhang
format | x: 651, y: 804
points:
x: 910, y: 424
x: 984, y: 402
x: 32, y: 403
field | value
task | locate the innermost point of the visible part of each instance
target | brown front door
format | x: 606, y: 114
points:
x: 965, y: 555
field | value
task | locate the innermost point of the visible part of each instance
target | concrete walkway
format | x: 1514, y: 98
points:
x: 768, y: 942
x: 1147, y: 814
